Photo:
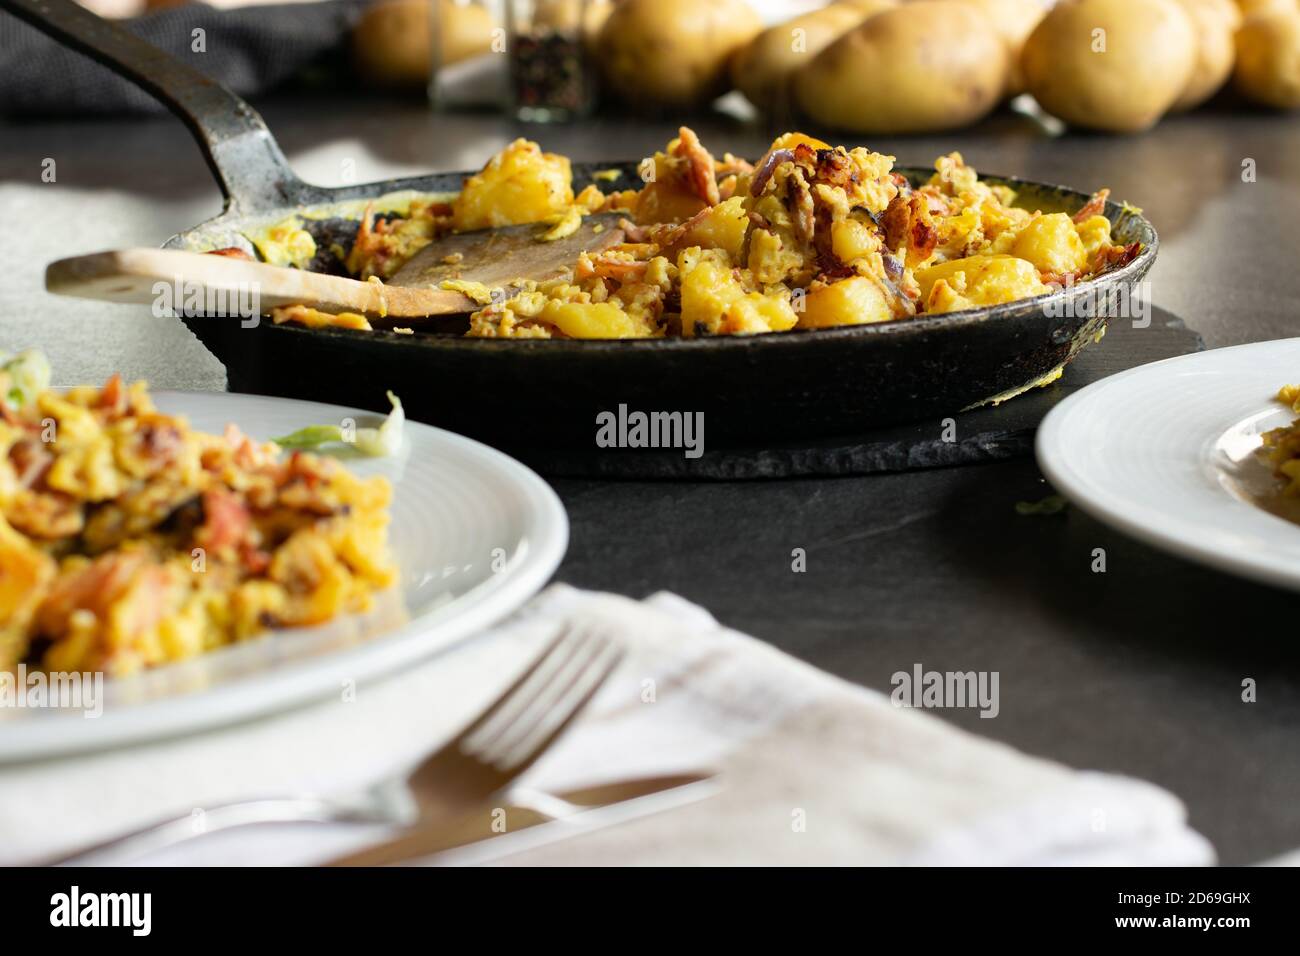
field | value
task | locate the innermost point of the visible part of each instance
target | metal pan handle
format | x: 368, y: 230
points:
x: 250, y: 169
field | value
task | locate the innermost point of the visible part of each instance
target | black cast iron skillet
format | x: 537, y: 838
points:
x: 545, y: 395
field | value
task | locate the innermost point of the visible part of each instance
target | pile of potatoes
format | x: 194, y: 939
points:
x: 897, y: 66
x: 392, y: 41
x: 907, y: 66
x: 1120, y: 65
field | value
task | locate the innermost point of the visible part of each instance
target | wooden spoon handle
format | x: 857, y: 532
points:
x: 172, y: 280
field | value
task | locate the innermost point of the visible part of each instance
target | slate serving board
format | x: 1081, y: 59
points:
x: 978, y: 435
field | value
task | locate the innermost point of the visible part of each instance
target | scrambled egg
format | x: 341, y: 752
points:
x: 810, y: 236
x: 285, y: 243
x: 128, y: 540
x: 1281, y: 447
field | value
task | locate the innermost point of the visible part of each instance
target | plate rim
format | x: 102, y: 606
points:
x: 280, y: 690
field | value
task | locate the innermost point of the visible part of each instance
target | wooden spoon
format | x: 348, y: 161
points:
x: 496, y: 258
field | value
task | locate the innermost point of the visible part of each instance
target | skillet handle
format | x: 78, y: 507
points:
x: 249, y: 167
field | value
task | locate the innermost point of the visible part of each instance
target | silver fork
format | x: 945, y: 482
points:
x: 482, y: 760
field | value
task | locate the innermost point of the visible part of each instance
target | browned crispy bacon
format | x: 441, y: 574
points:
x: 1116, y: 257
x: 226, y: 520
x: 907, y: 221
x: 799, y: 199
x: 666, y: 234
x: 634, y: 233
x: 1094, y: 206
x: 31, y: 460
x: 701, y: 172
x: 113, y: 396
x: 619, y: 269
x: 834, y: 168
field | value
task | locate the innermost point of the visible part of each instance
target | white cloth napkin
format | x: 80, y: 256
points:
x: 811, y: 769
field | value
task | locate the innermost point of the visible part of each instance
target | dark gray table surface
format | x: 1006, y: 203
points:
x: 1137, y: 670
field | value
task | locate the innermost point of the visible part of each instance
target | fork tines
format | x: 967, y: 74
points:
x: 543, y: 701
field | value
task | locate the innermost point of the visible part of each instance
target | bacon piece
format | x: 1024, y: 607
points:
x: 256, y: 561
x: 231, y: 252
x: 370, y: 255
x: 895, y: 221
x: 701, y: 171
x: 161, y: 438
x: 665, y: 236
x: 634, y: 233
x: 800, y: 201
x: 113, y: 396
x: 834, y: 168
x: 620, y: 270
x: 226, y: 521
x: 907, y: 221
x: 31, y: 460
x: 93, y: 587
x: 830, y: 269
x: 924, y: 237
x: 144, y: 604
x: 805, y: 155
x: 1094, y: 206
x: 1116, y: 257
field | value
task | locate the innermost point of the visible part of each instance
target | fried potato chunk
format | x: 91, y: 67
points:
x: 518, y: 185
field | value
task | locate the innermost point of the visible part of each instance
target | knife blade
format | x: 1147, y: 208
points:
x: 527, y: 818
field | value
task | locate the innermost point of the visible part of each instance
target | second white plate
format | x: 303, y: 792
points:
x: 1167, y: 453
x: 474, y: 532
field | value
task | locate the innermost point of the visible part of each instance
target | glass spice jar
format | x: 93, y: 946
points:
x: 460, y: 33
x: 551, y: 77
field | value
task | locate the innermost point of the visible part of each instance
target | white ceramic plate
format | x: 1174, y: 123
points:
x: 1167, y: 453
x: 475, y: 534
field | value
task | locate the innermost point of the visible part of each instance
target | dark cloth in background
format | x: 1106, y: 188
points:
x: 249, y: 49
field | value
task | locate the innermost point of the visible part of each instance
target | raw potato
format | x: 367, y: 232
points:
x: 1114, y: 65
x: 929, y: 65
x: 1268, y: 59
x: 1014, y: 20
x: 1214, y: 22
x: 674, y: 53
x: 593, y: 19
x: 763, y: 69
x: 391, y: 41
x: 1248, y: 7
x: 466, y: 31
x: 868, y: 7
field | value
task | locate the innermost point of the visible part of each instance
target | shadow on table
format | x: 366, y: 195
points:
x: 1164, y: 605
